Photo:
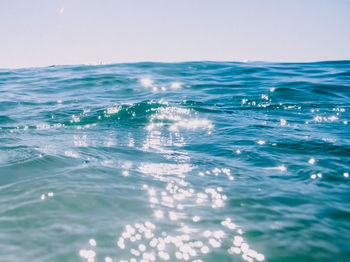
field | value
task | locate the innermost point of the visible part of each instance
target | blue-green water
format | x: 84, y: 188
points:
x: 199, y: 161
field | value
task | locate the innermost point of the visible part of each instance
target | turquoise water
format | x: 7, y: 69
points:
x: 200, y: 161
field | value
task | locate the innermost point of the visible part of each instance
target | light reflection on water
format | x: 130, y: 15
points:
x: 184, y: 238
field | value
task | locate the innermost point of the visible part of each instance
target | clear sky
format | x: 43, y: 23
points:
x: 47, y: 32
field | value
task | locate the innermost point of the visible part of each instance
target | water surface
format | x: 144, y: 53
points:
x: 198, y: 161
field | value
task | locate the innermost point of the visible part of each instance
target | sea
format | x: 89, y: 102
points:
x: 194, y: 161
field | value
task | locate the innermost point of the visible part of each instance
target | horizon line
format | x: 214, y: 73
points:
x: 245, y: 61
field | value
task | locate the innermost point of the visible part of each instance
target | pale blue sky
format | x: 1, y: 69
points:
x: 46, y: 32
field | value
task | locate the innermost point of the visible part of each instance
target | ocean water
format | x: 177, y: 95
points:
x: 197, y: 161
